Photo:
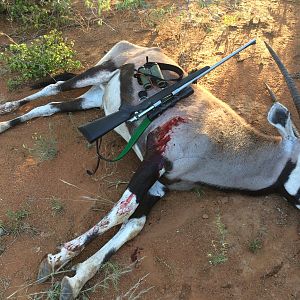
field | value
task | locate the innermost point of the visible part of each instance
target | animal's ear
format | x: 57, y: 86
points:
x: 280, y: 117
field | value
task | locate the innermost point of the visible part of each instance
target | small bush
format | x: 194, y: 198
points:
x: 99, y: 6
x: 158, y: 15
x: 255, y: 245
x: 219, y: 254
x: 47, y: 55
x: 44, y: 148
x: 130, y: 4
x: 37, y: 14
x: 16, y: 221
x: 2, y: 7
x: 102, y: 5
x: 56, y: 206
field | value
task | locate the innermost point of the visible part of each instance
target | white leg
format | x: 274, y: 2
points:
x: 122, y: 210
x: 94, y: 76
x: 71, y: 286
x: 49, y: 90
x: 42, y: 111
x: 91, y: 99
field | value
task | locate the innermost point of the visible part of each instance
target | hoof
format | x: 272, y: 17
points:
x: 45, y: 270
x: 66, y: 290
x: 8, y: 107
x: 4, y: 126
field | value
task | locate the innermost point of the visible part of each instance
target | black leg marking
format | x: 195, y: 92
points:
x: 145, y: 206
x: 126, y: 82
x: 51, y: 80
x: 69, y: 106
x: 15, y: 122
x: 108, y: 255
x: 146, y: 175
x: 88, y: 74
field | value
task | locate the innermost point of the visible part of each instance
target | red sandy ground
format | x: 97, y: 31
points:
x: 181, y: 229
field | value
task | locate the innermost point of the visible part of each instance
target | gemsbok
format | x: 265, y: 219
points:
x: 200, y: 140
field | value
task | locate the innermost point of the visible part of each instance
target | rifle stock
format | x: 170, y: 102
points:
x: 95, y: 129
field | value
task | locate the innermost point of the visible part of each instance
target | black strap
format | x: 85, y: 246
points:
x: 99, y: 157
x: 172, y: 68
x: 163, y: 67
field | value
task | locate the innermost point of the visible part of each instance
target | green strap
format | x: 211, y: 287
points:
x: 136, y: 135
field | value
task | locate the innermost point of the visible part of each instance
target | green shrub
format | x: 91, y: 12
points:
x: 44, y: 147
x: 2, y: 7
x: 99, y: 6
x: 130, y: 4
x: 255, y: 245
x: 219, y: 254
x: 102, y: 5
x: 49, y: 54
x: 39, y: 14
x: 16, y: 221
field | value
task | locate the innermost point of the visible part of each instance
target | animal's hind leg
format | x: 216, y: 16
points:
x: 91, y: 99
x: 71, y: 286
x: 127, y: 206
x: 94, y: 76
x: 119, y: 214
x: 144, y: 179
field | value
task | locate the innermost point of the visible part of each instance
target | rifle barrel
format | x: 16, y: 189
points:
x: 252, y: 42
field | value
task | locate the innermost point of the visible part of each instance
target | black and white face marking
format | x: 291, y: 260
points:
x: 292, y: 184
x: 280, y: 117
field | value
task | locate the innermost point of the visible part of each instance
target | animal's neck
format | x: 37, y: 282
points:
x: 264, y: 165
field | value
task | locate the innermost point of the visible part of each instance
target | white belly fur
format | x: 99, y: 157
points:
x: 111, y: 104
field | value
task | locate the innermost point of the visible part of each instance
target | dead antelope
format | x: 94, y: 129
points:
x: 201, y: 140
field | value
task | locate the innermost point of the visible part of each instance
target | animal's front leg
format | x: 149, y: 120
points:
x: 49, y: 90
x: 93, y: 76
x: 91, y: 99
x: 122, y: 210
x: 135, y: 202
x: 71, y: 286
x: 126, y: 207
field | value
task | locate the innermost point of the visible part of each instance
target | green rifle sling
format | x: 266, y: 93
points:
x: 135, y: 136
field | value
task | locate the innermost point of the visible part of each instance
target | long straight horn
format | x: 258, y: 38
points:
x: 272, y: 94
x: 288, y: 79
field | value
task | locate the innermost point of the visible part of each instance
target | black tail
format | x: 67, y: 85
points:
x: 49, y: 80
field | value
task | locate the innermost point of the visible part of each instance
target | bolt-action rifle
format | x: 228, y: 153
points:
x: 151, y: 106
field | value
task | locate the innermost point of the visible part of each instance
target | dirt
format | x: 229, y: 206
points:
x: 182, y: 229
